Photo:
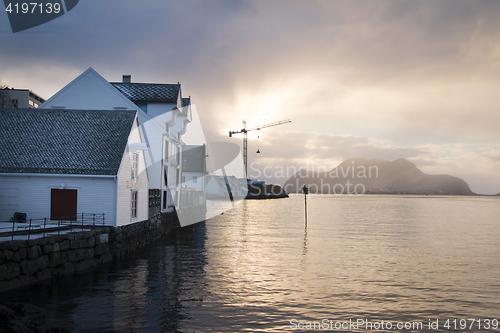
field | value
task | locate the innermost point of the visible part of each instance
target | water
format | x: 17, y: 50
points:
x: 257, y: 269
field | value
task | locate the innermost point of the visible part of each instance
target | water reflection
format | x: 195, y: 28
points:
x: 130, y: 304
x: 257, y: 266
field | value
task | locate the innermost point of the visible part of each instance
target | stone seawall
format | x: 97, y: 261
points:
x: 25, y: 262
x: 132, y: 236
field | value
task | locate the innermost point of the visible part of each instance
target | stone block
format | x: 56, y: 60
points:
x: 23, y: 253
x: 64, y: 245
x: 9, y: 285
x: 67, y: 268
x: 85, y: 264
x: 101, y: 249
x: 8, y: 255
x: 113, y: 238
x: 3, y: 258
x: 72, y: 255
x: 25, y: 280
x: 3, y: 272
x: 16, y: 245
x: 76, y: 255
x: 16, y: 257
x: 104, y: 238
x: 81, y: 255
x: 51, y: 240
x: 78, y: 236
x: 89, y: 253
x: 34, y: 252
x: 43, y: 241
x: 5, y: 246
x: 48, y: 248
x: 58, y: 258
x: 74, y: 244
x: 33, y: 242
x: 9, y: 270
x: 29, y: 267
x: 44, y: 274
x: 83, y: 243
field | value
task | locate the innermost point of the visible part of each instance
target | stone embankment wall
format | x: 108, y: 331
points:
x: 25, y: 262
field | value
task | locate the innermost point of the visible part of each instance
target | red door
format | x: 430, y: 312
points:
x: 63, y: 204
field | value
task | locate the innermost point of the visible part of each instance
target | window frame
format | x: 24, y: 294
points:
x: 133, y: 204
x: 134, y: 165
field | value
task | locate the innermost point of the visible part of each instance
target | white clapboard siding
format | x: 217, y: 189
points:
x: 125, y: 184
x: 96, y: 195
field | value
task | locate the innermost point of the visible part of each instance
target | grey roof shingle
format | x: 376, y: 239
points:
x: 148, y: 92
x: 50, y: 141
x: 193, y: 158
x: 186, y: 101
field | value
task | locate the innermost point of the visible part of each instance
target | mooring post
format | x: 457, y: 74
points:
x: 306, y: 191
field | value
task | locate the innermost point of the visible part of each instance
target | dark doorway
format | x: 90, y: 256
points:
x: 63, y: 204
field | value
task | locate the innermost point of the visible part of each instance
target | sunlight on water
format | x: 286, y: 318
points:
x: 256, y: 267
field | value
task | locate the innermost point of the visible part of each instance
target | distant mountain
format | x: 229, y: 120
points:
x: 376, y: 176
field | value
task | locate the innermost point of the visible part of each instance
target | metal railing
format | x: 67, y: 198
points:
x: 82, y: 221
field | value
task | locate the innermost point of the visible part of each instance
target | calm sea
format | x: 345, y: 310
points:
x: 370, y: 260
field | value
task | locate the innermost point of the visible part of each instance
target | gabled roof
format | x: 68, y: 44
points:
x: 89, y: 91
x: 186, y: 101
x: 193, y: 158
x: 149, y: 92
x: 60, y: 141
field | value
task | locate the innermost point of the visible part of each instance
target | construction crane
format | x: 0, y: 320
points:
x: 245, y: 130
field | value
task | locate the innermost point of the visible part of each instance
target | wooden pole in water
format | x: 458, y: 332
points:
x: 306, y: 191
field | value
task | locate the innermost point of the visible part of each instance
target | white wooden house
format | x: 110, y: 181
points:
x: 163, y: 116
x: 60, y: 163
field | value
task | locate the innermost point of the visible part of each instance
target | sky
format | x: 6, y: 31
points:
x: 359, y: 79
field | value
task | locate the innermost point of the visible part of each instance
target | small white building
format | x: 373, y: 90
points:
x: 59, y: 163
x: 163, y: 116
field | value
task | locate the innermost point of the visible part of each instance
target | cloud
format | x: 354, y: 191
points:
x: 408, y: 75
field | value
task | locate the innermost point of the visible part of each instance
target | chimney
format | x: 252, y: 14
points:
x: 127, y: 78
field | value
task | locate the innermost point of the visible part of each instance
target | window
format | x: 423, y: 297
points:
x: 134, y: 204
x: 135, y: 165
x: 183, y: 179
x: 195, y: 179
